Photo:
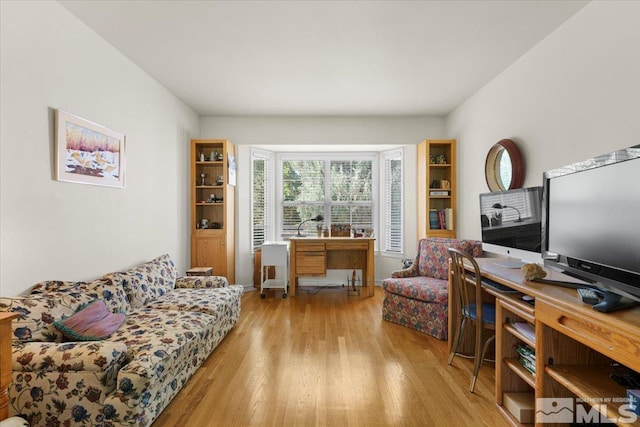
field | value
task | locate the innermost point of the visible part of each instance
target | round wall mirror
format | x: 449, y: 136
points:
x: 504, y: 167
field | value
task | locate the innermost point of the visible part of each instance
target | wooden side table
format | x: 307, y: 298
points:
x: 5, y: 361
x: 200, y: 271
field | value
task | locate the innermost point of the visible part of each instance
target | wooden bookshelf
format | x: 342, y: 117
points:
x: 213, y: 200
x: 436, y: 188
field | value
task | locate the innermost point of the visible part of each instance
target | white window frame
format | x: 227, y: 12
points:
x: 385, y: 244
x: 368, y: 156
x: 267, y: 156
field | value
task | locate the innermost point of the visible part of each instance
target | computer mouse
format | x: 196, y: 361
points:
x: 527, y: 298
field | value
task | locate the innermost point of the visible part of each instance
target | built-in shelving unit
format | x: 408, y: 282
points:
x: 511, y: 375
x: 436, y: 188
x: 212, y: 206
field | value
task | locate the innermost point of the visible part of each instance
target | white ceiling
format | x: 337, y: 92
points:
x: 323, y: 57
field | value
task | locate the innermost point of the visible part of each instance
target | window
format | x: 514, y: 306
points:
x: 261, y: 197
x: 340, y: 187
x: 392, y: 202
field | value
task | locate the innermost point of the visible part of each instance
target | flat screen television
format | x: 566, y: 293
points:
x: 591, y: 227
x: 511, y: 225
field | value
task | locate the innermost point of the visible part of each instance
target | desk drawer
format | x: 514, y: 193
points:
x: 610, y: 340
x: 352, y: 245
x: 309, y: 247
x: 311, y: 263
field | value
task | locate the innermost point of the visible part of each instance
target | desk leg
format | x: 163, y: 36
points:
x: 293, y: 280
x: 371, y: 274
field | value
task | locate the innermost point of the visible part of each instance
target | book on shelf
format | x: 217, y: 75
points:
x: 438, y: 193
x: 528, y: 365
x: 527, y: 357
x: 441, y: 219
x: 448, y: 213
x: 433, y: 219
x: 525, y: 329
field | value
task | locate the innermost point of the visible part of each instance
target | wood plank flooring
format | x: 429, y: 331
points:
x: 323, y: 358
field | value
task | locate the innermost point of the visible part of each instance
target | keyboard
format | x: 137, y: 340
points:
x: 497, y: 286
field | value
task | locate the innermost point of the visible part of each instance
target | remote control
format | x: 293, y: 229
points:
x: 588, y: 296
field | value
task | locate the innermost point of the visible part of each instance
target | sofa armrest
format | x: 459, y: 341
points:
x: 201, y: 282
x: 94, y: 356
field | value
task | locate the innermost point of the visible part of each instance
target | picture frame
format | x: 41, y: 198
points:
x: 88, y: 153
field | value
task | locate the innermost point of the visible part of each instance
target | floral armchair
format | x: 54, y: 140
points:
x: 417, y: 296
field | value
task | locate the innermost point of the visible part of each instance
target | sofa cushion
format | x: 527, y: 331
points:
x: 434, y: 259
x: 213, y: 301
x: 92, y: 322
x: 109, y: 290
x: 420, y: 288
x: 147, y: 281
x: 38, y: 312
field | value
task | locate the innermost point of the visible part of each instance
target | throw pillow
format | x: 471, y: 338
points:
x: 91, y: 323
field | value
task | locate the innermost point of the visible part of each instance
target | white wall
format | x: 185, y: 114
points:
x: 573, y: 96
x: 370, y: 133
x: 59, y: 230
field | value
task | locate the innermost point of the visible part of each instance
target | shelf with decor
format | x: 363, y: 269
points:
x: 436, y: 188
x: 212, y: 206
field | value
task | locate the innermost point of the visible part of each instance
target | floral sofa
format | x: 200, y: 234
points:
x: 417, y: 296
x: 172, y: 325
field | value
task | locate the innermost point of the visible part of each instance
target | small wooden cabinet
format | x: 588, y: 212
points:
x: 213, y: 206
x: 5, y: 361
x: 437, y: 189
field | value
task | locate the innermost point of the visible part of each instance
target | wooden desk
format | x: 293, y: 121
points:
x: 574, y: 344
x: 5, y: 361
x: 312, y: 257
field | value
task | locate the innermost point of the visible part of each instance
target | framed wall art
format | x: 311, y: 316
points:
x: 88, y: 153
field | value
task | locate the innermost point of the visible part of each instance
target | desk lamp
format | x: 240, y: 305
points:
x: 500, y: 206
x: 317, y: 218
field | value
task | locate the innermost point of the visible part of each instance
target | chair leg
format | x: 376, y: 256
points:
x: 478, y: 362
x: 457, y: 339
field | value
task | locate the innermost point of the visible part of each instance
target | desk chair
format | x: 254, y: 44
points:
x: 274, y: 254
x: 472, y: 309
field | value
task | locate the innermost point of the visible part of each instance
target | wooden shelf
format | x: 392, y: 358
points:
x: 510, y: 418
x: 589, y: 383
x: 515, y: 366
x: 516, y: 333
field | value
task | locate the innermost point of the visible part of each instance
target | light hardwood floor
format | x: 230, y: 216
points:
x: 327, y: 359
